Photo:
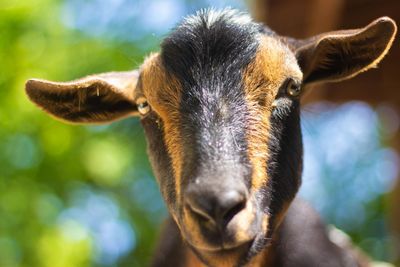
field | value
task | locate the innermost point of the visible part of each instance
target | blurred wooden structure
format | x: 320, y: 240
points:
x: 303, y: 18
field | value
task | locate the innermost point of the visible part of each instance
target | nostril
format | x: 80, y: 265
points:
x: 201, y: 211
x: 200, y: 204
x: 215, y: 206
x: 229, y: 214
x: 231, y: 203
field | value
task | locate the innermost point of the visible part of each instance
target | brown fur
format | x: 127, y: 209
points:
x: 355, y: 45
x: 68, y: 101
x: 262, y: 79
x: 163, y: 94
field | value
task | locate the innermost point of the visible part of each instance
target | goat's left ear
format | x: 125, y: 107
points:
x: 340, y: 55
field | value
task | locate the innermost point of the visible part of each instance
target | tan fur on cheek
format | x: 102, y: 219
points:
x: 263, y: 77
x: 258, y: 88
x: 163, y: 94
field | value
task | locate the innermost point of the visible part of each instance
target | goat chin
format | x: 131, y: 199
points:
x: 240, y: 231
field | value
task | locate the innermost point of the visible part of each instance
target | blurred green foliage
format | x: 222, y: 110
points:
x: 84, y: 195
x: 43, y: 161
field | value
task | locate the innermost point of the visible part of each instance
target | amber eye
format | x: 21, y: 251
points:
x: 143, y: 106
x: 293, y: 88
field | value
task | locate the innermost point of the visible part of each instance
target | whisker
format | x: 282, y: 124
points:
x: 234, y: 139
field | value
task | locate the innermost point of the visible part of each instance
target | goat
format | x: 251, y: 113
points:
x: 220, y: 106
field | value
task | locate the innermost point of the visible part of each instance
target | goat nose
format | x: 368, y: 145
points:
x: 218, y: 207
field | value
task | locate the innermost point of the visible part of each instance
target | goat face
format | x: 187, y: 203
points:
x: 220, y: 108
x: 218, y: 77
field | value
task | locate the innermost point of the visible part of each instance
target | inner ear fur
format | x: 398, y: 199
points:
x: 99, y: 98
x: 340, y: 55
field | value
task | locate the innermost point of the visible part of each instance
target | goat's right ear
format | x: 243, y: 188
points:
x: 97, y: 98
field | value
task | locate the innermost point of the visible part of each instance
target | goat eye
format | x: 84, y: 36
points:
x: 293, y: 88
x: 143, y: 106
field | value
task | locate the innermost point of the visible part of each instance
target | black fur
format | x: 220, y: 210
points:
x: 286, y: 158
x: 303, y: 241
x: 208, y: 61
x: 160, y: 159
x: 284, y: 169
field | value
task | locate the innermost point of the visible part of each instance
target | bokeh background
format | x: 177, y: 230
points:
x: 76, y: 196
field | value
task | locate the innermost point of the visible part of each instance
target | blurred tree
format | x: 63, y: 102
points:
x: 45, y: 164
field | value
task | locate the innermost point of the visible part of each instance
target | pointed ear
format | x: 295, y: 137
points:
x: 340, y: 55
x: 98, y: 98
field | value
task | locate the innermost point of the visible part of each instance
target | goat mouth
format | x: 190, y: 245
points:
x: 242, y: 253
x: 223, y: 240
x: 236, y: 247
x: 225, y: 247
